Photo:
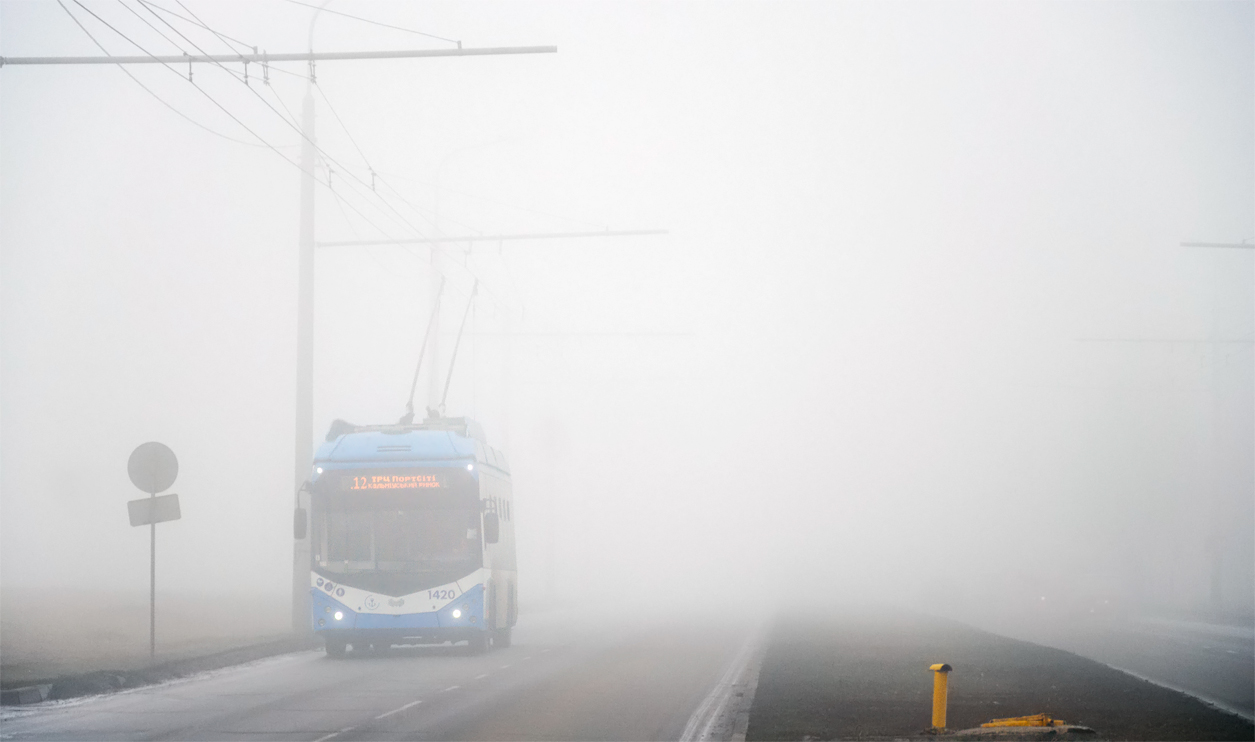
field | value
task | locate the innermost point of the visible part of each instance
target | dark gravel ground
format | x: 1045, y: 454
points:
x: 866, y: 676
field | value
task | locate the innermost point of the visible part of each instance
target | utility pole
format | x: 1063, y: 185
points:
x: 304, y: 433
x: 304, y: 430
x: 1220, y: 542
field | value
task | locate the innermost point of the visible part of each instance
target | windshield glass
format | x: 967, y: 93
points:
x: 400, y: 538
x: 396, y: 541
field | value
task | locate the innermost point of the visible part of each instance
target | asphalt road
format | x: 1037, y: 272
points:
x: 560, y: 681
x: 865, y: 674
x: 1211, y: 661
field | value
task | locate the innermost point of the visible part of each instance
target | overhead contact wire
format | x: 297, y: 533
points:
x: 146, y: 89
x: 378, y: 23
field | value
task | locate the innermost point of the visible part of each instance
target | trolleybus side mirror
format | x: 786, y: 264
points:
x: 492, y: 528
x: 299, y: 524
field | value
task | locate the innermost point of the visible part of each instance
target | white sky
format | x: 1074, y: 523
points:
x: 911, y: 245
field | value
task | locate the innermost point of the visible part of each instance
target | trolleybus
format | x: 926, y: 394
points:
x: 412, y: 537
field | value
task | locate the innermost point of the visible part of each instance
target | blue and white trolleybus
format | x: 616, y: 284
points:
x: 412, y: 537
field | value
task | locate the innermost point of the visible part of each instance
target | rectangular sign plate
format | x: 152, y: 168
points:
x: 153, y: 510
x: 390, y: 481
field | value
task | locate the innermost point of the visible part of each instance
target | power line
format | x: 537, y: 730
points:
x: 146, y: 22
x: 501, y: 203
x: 377, y: 23
x: 215, y: 102
x: 323, y: 153
x: 1231, y: 245
x: 201, y: 24
x: 197, y: 22
x: 326, y: 157
x: 340, y: 204
x: 201, y: 90
x: 404, y: 243
x: 264, y: 142
x: 345, y: 128
x: 502, y: 237
x: 146, y: 89
x: 375, y: 175
x: 188, y: 40
x: 289, y: 120
x: 419, y: 211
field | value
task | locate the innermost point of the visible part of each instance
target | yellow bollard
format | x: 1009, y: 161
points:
x: 940, y: 674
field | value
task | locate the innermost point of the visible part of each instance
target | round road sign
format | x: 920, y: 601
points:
x: 152, y: 467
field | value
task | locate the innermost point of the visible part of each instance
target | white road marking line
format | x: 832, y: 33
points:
x: 451, y: 687
x: 481, y: 677
x: 334, y: 734
x: 386, y: 714
x: 504, y: 667
x: 701, y: 724
x: 528, y: 657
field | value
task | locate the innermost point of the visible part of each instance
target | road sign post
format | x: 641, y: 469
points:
x: 153, y: 467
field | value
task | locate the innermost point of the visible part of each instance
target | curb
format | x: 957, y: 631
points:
x: 25, y: 695
x: 107, y: 681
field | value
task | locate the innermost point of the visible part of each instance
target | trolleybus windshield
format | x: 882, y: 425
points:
x: 389, y: 529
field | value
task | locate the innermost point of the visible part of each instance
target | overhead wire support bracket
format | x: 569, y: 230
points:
x: 267, y: 59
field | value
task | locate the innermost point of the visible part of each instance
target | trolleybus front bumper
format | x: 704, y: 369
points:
x: 460, y: 619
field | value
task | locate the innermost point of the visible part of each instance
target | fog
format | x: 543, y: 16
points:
x: 921, y: 329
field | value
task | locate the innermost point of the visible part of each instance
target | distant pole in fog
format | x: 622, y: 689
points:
x: 304, y: 358
x: 304, y: 430
x: 1219, y: 539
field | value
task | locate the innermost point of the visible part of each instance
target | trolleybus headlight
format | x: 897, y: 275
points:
x: 319, y: 470
x: 322, y: 622
x: 339, y: 615
x: 457, y: 613
x: 470, y: 467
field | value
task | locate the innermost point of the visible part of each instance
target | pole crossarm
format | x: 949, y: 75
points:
x: 265, y: 58
x: 1231, y: 245
x: 497, y: 237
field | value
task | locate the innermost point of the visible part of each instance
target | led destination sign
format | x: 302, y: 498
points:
x: 366, y: 482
